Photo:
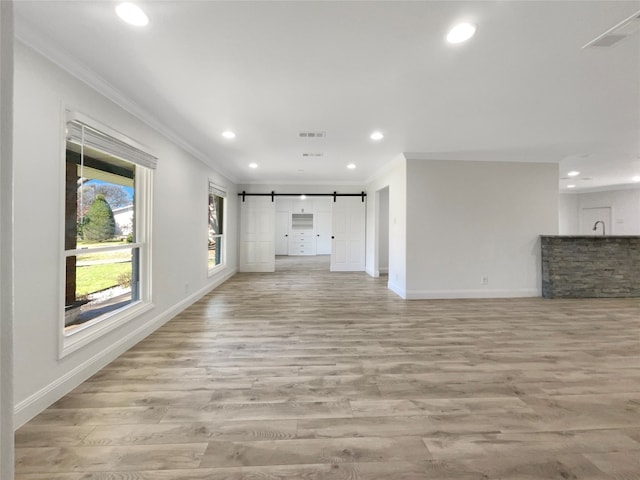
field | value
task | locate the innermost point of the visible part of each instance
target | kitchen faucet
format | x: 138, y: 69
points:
x: 595, y: 227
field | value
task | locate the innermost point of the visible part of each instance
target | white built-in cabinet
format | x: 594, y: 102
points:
x: 303, y: 227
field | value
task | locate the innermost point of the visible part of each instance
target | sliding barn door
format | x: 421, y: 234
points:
x: 347, y: 244
x: 257, y: 234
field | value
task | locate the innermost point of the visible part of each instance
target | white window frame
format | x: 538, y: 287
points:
x: 222, y: 193
x: 72, y: 341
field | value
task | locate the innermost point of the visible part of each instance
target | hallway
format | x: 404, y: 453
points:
x: 299, y: 375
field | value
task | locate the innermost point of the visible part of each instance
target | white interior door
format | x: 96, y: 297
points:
x: 282, y: 232
x: 348, y: 233
x: 257, y: 234
x: 589, y: 216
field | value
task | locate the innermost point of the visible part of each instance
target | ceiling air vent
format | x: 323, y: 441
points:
x: 316, y: 154
x: 312, y: 134
x: 617, y: 33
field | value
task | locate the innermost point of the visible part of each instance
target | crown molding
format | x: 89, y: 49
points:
x: 386, y: 168
x: 604, y: 188
x: 341, y: 183
x: 77, y: 69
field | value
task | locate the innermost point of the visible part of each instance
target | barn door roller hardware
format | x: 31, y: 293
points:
x: 273, y: 194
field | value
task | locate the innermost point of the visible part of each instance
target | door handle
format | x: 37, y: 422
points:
x: 332, y: 237
x: 286, y: 235
x: 318, y: 235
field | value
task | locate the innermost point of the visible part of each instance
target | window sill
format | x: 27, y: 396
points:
x: 216, y: 270
x: 74, y: 341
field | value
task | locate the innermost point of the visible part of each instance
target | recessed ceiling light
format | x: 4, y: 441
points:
x: 461, y: 33
x: 229, y: 134
x: 573, y: 173
x: 303, y: 197
x: 253, y: 165
x: 636, y: 178
x: 571, y: 186
x: 132, y: 14
x: 376, y: 136
x: 351, y: 166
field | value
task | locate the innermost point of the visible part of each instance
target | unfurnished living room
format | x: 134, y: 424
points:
x: 315, y: 240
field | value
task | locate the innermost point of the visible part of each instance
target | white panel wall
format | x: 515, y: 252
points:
x: 468, y: 220
x: 625, y: 211
x: 6, y: 267
x: 395, y: 177
x: 179, y: 277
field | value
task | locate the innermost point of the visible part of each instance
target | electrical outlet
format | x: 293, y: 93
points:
x: 484, y: 280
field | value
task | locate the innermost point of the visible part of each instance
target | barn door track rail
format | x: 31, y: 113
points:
x: 273, y: 195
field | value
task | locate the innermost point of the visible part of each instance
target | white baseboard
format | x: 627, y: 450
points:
x: 383, y: 270
x: 397, y: 289
x: 453, y: 294
x: 43, y: 398
x: 371, y: 272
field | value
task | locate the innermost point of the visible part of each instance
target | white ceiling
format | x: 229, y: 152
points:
x: 522, y: 89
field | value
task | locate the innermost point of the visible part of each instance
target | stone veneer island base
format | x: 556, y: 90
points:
x: 590, y: 266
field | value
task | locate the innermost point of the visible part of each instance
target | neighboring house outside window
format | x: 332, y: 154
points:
x: 124, y: 220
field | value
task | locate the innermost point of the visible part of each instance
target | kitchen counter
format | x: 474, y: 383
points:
x: 581, y: 266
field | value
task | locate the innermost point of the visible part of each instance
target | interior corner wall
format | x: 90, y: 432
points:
x: 469, y: 220
x: 6, y: 241
x: 42, y: 91
x: 568, y: 214
x: 396, y: 179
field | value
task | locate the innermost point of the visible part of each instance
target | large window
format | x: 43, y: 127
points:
x: 106, y: 237
x: 216, y: 226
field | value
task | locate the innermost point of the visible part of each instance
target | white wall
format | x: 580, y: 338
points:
x: 394, y: 177
x: 6, y: 241
x: 568, y: 214
x: 179, y: 228
x: 466, y: 220
x: 624, y: 204
x: 383, y: 231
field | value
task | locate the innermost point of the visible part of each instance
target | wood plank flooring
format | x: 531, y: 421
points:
x: 303, y: 374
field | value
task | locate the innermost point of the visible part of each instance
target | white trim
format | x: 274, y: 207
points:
x: 91, y: 129
x: 453, y: 294
x: 382, y: 271
x: 351, y: 183
x: 87, y: 251
x: 35, y: 40
x: 385, y: 169
x: 104, y: 324
x: 606, y: 188
x: 36, y: 403
x: 69, y: 342
x: 216, y: 190
x: 6, y: 242
x: 395, y: 288
x: 371, y: 272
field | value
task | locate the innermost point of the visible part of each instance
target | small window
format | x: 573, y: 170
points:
x: 106, y: 234
x: 216, y: 242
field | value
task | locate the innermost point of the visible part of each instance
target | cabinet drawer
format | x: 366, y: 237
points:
x: 302, y: 251
x: 301, y: 236
x: 301, y: 244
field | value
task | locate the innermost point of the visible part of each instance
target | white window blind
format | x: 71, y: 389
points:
x: 215, y: 190
x: 82, y: 133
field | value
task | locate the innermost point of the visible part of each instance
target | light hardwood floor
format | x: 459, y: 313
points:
x: 303, y: 374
